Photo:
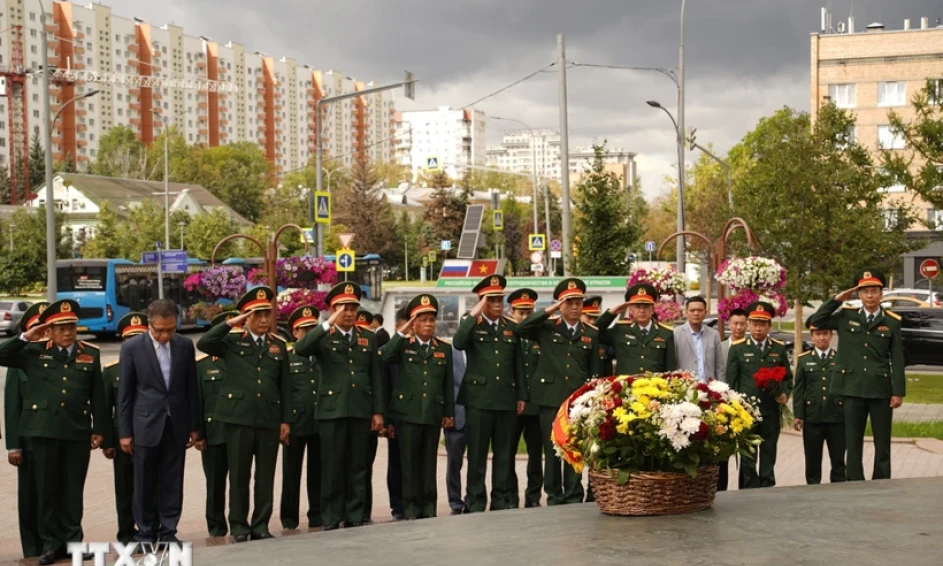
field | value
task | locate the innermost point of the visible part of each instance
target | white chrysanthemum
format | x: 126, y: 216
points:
x: 594, y: 448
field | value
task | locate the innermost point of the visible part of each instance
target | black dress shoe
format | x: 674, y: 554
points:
x: 399, y: 517
x: 290, y: 526
x: 262, y: 536
x: 48, y: 557
x: 456, y: 512
x: 240, y: 538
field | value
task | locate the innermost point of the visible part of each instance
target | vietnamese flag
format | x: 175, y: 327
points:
x: 483, y: 267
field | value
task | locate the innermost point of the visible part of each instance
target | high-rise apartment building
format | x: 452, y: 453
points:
x: 455, y: 137
x: 872, y: 72
x: 257, y: 98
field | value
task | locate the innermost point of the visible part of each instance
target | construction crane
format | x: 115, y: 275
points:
x: 13, y: 80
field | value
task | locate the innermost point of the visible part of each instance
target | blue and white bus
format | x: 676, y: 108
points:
x: 108, y: 289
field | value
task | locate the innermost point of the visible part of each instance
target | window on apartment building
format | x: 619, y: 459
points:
x: 892, y: 93
x: 891, y: 218
x: 32, y: 33
x: 36, y: 115
x: 91, y: 137
x: 890, y: 139
x: 120, y: 97
x: 91, y: 106
x: 32, y: 16
x: 94, y: 152
x: 120, y: 112
x: 3, y: 142
x: 935, y: 219
x: 32, y: 49
x: 91, y: 121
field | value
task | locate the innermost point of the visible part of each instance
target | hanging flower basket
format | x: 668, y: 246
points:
x: 669, y: 284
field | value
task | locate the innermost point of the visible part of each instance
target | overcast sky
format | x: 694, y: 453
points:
x: 744, y: 58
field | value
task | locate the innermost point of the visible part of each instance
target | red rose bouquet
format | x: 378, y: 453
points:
x: 770, y: 380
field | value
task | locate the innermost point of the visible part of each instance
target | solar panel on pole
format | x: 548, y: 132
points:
x: 471, y: 232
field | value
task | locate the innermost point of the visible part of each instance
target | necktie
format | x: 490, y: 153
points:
x: 163, y: 357
x: 824, y: 356
x: 572, y: 332
x: 425, y: 347
x: 644, y: 332
x: 870, y: 319
x: 64, y: 354
x: 347, y: 337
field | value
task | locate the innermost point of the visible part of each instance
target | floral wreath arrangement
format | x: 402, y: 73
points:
x: 669, y: 284
x: 654, y: 422
x: 751, y: 279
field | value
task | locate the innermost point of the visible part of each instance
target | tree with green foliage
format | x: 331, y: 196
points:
x: 604, y: 235
x: 24, y: 265
x: 514, y: 235
x: 5, y: 187
x: 121, y: 155
x: 179, y: 153
x: 37, y: 164
x: 105, y: 242
x: 238, y: 174
x: 361, y: 206
x: 205, y: 231
x: 443, y: 217
x: 284, y: 205
x: 391, y: 174
x: 919, y: 167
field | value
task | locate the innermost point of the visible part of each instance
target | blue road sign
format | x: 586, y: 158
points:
x: 649, y: 246
x: 345, y: 260
x: 172, y: 261
x: 446, y: 245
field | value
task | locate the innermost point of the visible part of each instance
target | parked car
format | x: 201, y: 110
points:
x: 892, y: 296
x: 10, y: 314
x: 786, y: 338
x: 922, y: 334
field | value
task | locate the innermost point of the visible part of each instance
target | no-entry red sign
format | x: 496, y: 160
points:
x: 930, y: 268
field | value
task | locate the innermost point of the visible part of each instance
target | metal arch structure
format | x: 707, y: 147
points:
x: 710, y: 247
x: 141, y: 81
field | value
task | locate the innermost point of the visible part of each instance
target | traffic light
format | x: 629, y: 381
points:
x: 410, y: 87
x: 692, y: 139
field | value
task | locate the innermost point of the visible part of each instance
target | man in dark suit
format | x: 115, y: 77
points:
x: 158, y: 418
x: 382, y: 335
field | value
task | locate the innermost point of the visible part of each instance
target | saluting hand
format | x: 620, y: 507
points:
x: 407, y: 328
x: 37, y: 332
x: 478, y: 308
x: 238, y: 320
x: 846, y: 294
x: 617, y: 310
x: 332, y: 320
x: 554, y: 307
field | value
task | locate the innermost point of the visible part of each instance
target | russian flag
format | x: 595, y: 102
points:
x: 455, y: 268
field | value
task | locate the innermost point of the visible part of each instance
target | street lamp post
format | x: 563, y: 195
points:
x: 680, y: 246
x: 12, y: 226
x: 533, y: 145
x: 160, y: 256
x: 680, y: 143
x: 182, y: 226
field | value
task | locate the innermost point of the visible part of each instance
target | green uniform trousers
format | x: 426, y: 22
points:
x: 215, y: 469
x: 61, y: 467
x: 292, y: 466
x: 814, y: 437
x: 857, y: 410
x: 528, y: 427
x: 28, y: 505
x: 768, y: 429
x: 124, y: 492
x: 486, y: 429
x: 419, y: 452
x: 343, y: 470
x: 561, y: 482
x: 243, y: 444
x: 372, y: 441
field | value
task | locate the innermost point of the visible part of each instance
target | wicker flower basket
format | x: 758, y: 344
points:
x: 655, y: 493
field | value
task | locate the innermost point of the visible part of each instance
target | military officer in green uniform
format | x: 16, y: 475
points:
x: 253, y: 406
x: 63, y: 414
x: 130, y: 325
x: 365, y: 322
x: 303, y: 373
x: 745, y: 359
x: 212, y: 372
x: 569, y: 357
x: 869, y: 369
x: 493, y: 392
x: 422, y: 404
x: 19, y: 448
x: 350, y: 405
x: 819, y: 413
x: 522, y: 303
x: 641, y: 344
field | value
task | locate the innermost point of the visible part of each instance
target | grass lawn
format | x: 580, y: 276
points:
x: 930, y: 429
x: 924, y: 388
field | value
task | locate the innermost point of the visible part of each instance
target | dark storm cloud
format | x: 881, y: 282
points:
x: 744, y: 59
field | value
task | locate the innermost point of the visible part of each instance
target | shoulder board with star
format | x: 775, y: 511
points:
x: 112, y: 364
x: 850, y: 307
x: 89, y: 345
x: 508, y: 319
x: 591, y: 326
x: 624, y: 321
x: 893, y: 315
x: 666, y: 327
x: 444, y: 341
x: 806, y: 353
x: 291, y: 348
x: 775, y: 341
x: 277, y: 337
x: 740, y: 341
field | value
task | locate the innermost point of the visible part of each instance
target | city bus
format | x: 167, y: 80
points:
x: 368, y: 273
x: 108, y: 289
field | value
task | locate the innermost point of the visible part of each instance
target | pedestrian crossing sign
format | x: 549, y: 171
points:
x: 537, y: 242
x: 322, y: 207
x: 432, y: 163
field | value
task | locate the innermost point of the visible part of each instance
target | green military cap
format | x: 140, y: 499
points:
x: 31, y: 316
x: 870, y: 277
x: 344, y: 294
x: 523, y: 299
x: 422, y: 304
x: 303, y: 317
x: 132, y: 324
x: 760, y: 310
x: 257, y: 299
x: 592, y: 306
x: 569, y: 288
x: 223, y: 317
x: 641, y: 293
x: 65, y: 311
x: 364, y: 319
x: 491, y: 286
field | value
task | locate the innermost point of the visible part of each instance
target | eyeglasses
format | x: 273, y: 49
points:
x: 170, y: 330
